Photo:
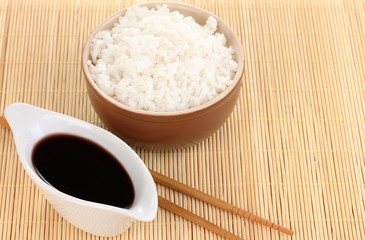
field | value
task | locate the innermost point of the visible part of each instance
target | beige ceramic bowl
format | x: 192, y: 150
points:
x: 166, y: 129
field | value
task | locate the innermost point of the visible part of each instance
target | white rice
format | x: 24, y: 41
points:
x: 161, y: 61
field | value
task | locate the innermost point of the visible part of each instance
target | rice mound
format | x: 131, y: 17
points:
x: 161, y: 61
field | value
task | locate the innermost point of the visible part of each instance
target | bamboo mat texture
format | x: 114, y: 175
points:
x: 293, y: 150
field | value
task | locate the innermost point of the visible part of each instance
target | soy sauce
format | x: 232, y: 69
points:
x: 83, y: 169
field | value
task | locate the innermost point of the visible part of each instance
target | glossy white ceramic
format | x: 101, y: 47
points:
x: 29, y: 124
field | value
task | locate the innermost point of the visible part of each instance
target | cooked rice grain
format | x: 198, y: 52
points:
x: 161, y: 61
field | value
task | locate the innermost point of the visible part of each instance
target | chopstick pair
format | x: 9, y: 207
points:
x: 173, y: 184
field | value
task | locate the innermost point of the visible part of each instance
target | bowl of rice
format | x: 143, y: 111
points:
x: 163, y: 75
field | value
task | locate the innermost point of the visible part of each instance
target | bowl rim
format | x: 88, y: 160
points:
x: 112, y: 18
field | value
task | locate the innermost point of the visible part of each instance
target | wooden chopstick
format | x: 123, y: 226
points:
x: 172, y: 207
x: 3, y: 122
x: 171, y: 183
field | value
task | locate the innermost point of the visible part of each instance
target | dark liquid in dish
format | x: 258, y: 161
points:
x: 83, y: 169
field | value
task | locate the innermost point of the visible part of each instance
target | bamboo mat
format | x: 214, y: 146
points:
x: 292, y: 150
